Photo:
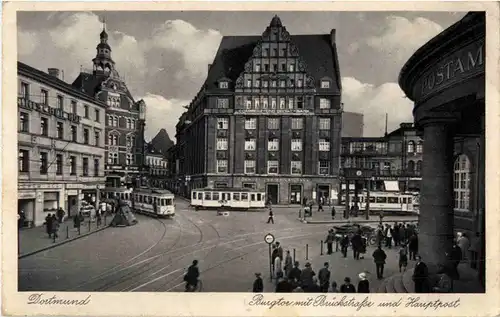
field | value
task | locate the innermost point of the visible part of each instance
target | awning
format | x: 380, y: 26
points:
x: 391, y: 186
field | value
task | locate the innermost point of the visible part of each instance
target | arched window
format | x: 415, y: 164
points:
x: 419, y: 167
x: 461, y: 182
x: 110, y: 120
x: 420, y: 147
x: 411, y: 166
x: 129, y: 124
x: 411, y: 147
x: 115, y: 121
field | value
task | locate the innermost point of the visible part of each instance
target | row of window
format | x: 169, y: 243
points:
x: 274, y: 123
x: 273, y: 145
x: 24, y: 164
x: 113, y: 138
x: 60, y: 133
x: 273, y: 167
x: 114, y: 121
x: 44, y: 100
x: 113, y: 158
x: 411, y: 147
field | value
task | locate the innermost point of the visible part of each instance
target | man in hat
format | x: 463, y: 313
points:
x: 329, y: 241
x: 347, y: 287
x: 379, y: 258
x: 295, y: 273
x: 364, y: 284
x: 258, y: 284
x: 324, y: 278
x: 306, y: 277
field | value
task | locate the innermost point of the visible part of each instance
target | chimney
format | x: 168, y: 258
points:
x: 332, y: 37
x: 54, y: 72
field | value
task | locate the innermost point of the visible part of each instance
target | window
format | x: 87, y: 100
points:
x: 296, y: 145
x: 275, y: 69
x: 324, y: 167
x: 272, y: 167
x: 221, y: 166
x: 44, y: 126
x: 110, y: 120
x: 43, y: 162
x: 324, y: 103
x: 129, y: 123
x: 291, y: 67
x: 113, y: 158
x: 273, y: 103
x: 420, y: 147
x: 273, y: 83
x: 249, y: 83
x: 283, y: 52
x: 221, y: 144
x: 97, y: 115
x: 257, y: 68
x: 461, y: 183
x: 273, y: 123
x: 86, y: 109
x: 24, y: 122
x: 257, y: 103
x: 282, y: 103
x: 299, y: 83
x: 59, y: 164
x: 265, y: 103
x: 411, y: 166
x: 130, y: 159
x: 44, y: 97
x: 275, y: 52
x: 273, y: 145
x: 74, y: 135
x: 296, y: 168
x: 266, y: 67
x: 419, y: 167
x: 266, y: 52
x: 72, y: 165
x: 290, y: 103
x: 25, y: 91
x: 74, y: 107
x: 85, y: 163
x: 324, y: 145
x: 130, y: 141
x: 251, y: 123
x: 411, y: 147
x: 325, y: 84
x: 223, y: 84
x: 283, y: 67
x: 300, y: 102
x: 24, y: 161
x: 297, y: 124
x: 265, y: 83
x: 249, y: 167
x: 248, y: 103
x: 250, y: 145
x: 257, y: 83
x: 324, y: 123
x: 222, y: 103
x: 113, y: 139
x: 222, y: 123
x: 133, y: 124
x: 60, y: 130
x: 86, y: 136
x: 115, y: 121
x: 97, y: 138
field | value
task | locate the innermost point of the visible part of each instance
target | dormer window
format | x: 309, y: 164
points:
x: 325, y: 84
x: 223, y: 84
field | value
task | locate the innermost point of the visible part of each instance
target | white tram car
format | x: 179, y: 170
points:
x: 230, y: 198
x: 385, y: 201
x: 153, y: 201
x: 109, y: 194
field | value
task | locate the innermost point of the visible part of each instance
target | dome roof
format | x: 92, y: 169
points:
x: 276, y: 22
x: 103, y: 34
x: 104, y: 45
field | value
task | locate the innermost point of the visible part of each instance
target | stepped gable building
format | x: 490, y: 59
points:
x: 60, y: 146
x: 125, y: 117
x: 445, y: 79
x: 267, y: 117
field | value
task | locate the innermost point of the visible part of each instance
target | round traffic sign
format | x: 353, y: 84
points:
x: 359, y: 173
x: 269, y: 238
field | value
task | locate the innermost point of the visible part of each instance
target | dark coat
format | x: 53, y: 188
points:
x: 347, y: 288
x: 295, y: 274
x: 324, y: 276
x: 312, y: 288
x: 379, y: 256
x: 364, y: 286
x: 413, y: 244
x: 306, y: 277
x: 344, y: 242
x: 192, y: 274
x: 420, y: 272
x: 284, y: 287
x: 258, y: 285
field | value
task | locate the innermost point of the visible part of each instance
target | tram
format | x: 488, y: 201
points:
x: 110, y: 194
x: 385, y: 201
x: 229, y: 198
x: 153, y: 202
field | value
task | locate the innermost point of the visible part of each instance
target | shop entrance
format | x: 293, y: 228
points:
x: 323, y: 191
x: 72, y: 205
x: 272, y: 191
x: 26, y: 208
x: 295, y: 194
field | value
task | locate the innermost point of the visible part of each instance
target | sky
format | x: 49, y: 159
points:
x: 164, y: 55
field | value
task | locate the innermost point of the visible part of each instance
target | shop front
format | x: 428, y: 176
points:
x: 26, y: 208
x: 296, y: 194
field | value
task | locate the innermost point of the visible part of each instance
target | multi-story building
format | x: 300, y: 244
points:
x: 394, y: 160
x: 157, y: 165
x: 352, y: 125
x: 125, y: 118
x: 61, y: 145
x: 268, y: 117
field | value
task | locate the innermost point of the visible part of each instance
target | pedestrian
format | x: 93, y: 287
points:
x: 329, y: 241
x: 324, y: 278
x: 278, y: 270
x: 60, y: 214
x: 333, y: 212
x: 76, y: 222
x: 280, y: 250
x: 314, y: 287
x: 362, y: 249
x: 456, y: 258
x: 380, y: 235
x: 403, y: 258
x: 420, y: 275
x: 413, y: 246
x: 48, y: 225
x: 306, y: 276
x: 356, y: 243
x: 274, y: 254
x: 295, y: 273
x: 395, y: 234
x: 381, y: 216
x: 271, y: 216
x: 21, y: 218
x: 284, y: 286
x: 98, y: 217
x: 288, y: 263
x: 363, y: 284
x: 464, y: 244
x: 320, y: 204
x: 258, y: 284
x: 388, y: 236
x: 379, y: 258
x: 344, y: 244
x: 347, y: 287
x: 334, y: 287
x: 54, y: 227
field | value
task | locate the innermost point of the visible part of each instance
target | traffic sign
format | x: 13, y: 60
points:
x: 269, y: 238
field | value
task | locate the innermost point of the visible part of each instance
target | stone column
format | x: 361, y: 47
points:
x: 346, y: 211
x: 436, y: 202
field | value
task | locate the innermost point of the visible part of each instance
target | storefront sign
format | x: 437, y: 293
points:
x: 46, y: 109
x: 273, y: 111
x: 457, y: 67
x: 39, y: 186
x: 26, y: 195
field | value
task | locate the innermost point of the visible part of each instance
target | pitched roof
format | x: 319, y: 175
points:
x: 234, y: 51
x: 90, y: 84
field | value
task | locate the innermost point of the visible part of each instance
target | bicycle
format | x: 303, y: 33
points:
x: 197, y: 288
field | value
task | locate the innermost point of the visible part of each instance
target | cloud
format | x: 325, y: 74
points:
x: 374, y: 102
x: 27, y: 42
x: 162, y: 113
x: 401, y: 37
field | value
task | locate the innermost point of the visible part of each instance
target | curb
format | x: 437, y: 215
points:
x: 60, y: 243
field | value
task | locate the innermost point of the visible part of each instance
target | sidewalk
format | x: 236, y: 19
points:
x: 35, y: 240
x: 326, y: 217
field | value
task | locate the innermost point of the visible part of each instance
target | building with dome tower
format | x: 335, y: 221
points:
x: 125, y: 117
x: 267, y: 117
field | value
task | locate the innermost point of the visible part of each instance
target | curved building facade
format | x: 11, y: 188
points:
x: 445, y: 79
